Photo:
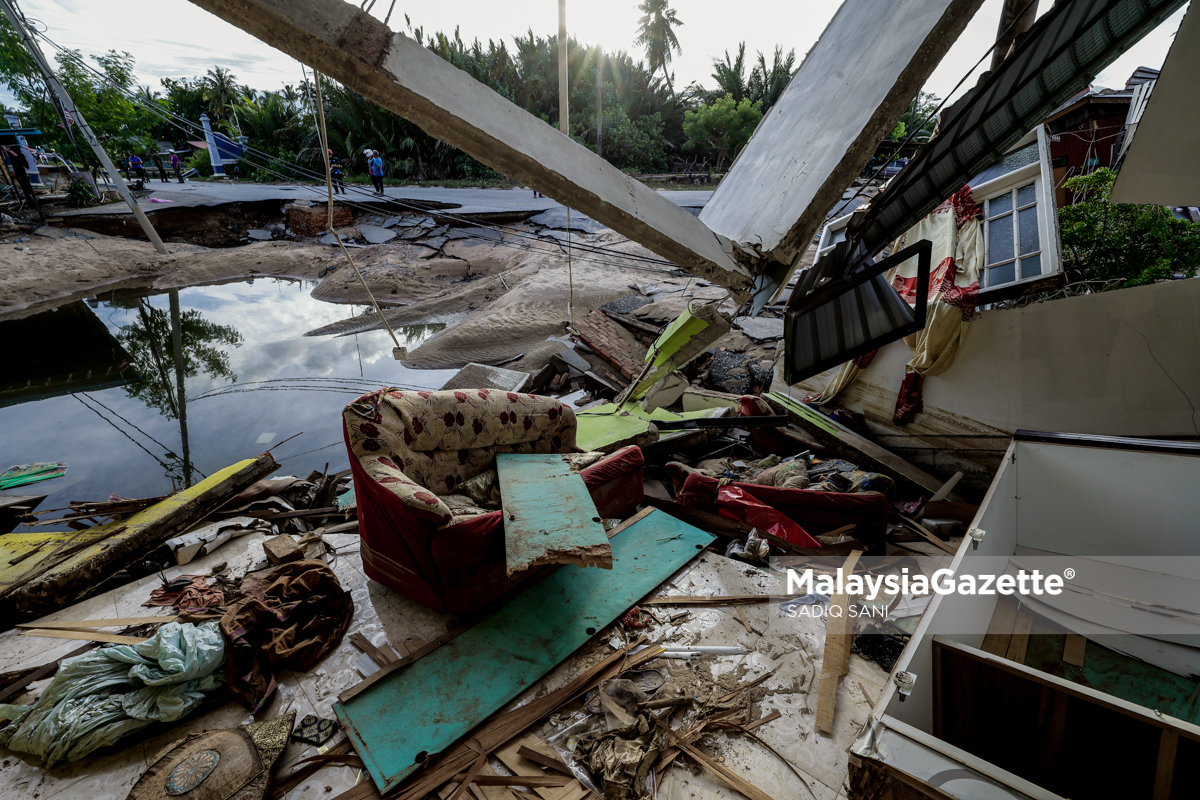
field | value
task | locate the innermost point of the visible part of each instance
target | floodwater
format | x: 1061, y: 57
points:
x: 95, y: 384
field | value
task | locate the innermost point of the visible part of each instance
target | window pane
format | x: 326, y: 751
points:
x: 1029, y: 230
x: 1000, y: 205
x: 1031, y: 266
x: 1000, y: 239
x: 1004, y: 274
x: 1026, y: 195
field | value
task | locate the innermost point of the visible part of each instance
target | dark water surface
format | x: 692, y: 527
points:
x: 251, y: 380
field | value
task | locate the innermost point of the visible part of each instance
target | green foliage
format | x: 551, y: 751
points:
x: 722, y: 128
x: 200, y: 161
x: 80, y: 194
x: 1117, y: 245
x: 917, y: 117
x: 765, y: 84
x: 656, y: 33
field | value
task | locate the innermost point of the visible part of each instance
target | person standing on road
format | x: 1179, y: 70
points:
x: 158, y: 164
x: 335, y: 172
x: 175, y: 166
x: 375, y: 167
x: 135, y: 166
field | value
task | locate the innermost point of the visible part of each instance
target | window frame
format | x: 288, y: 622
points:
x: 1040, y: 173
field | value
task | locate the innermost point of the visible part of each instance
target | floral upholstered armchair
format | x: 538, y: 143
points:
x: 413, y: 454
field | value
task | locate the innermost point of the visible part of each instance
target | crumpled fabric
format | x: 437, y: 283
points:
x: 289, y: 617
x: 483, y: 490
x: 199, y: 596
x: 99, y: 697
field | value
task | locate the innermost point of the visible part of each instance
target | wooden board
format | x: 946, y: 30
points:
x: 999, y: 632
x: 86, y: 636
x: 1020, y: 636
x: 452, y: 689
x: 1074, y: 649
x: 98, y: 623
x: 836, y: 661
x: 549, y: 515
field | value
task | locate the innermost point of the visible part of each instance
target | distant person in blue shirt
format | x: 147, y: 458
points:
x: 375, y: 167
x: 135, y: 166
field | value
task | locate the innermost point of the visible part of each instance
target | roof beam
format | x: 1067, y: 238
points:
x: 399, y: 74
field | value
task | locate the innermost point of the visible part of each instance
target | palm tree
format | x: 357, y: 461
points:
x: 656, y: 34
x: 730, y: 74
x: 221, y: 92
x: 768, y: 82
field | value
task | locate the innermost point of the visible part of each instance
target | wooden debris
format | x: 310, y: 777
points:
x: 746, y: 623
x: 1020, y: 636
x: 550, y: 762
x: 98, y: 623
x: 928, y: 536
x: 719, y: 771
x: 999, y: 632
x: 282, y: 549
x: 836, y: 660
x: 87, y: 636
x: 380, y: 655
x: 701, y: 600
x: 1074, y: 649
x: 36, y: 674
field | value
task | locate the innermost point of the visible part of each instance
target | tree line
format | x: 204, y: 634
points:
x: 647, y: 125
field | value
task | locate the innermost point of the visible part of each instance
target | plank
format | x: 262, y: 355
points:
x: 86, y: 636
x: 541, y: 759
x: 701, y: 600
x: 452, y: 689
x: 1074, y: 649
x: 720, y: 771
x: 40, y: 673
x: 485, y: 792
x: 510, y: 756
x: 1000, y: 629
x: 836, y: 661
x: 549, y: 515
x: 925, y: 534
x: 380, y: 655
x: 1168, y: 745
x: 98, y: 623
x: 1020, y: 636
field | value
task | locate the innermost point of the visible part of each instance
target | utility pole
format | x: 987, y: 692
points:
x: 68, y: 105
x: 177, y: 346
x: 599, y: 100
x: 564, y: 111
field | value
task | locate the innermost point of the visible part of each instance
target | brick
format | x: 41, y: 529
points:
x: 612, y: 343
x: 314, y: 220
x: 282, y: 549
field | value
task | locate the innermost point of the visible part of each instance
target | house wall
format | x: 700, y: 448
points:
x: 1120, y: 363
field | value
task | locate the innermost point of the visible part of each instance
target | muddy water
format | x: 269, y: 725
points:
x: 95, y: 384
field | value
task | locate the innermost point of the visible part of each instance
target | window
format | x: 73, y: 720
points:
x: 1020, y: 219
x: 1011, y: 236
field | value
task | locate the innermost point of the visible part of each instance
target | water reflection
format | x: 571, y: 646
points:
x: 162, y: 390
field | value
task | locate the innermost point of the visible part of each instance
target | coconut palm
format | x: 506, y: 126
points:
x: 730, y: 74
x: 221, y: 92
x: 768, y: 82
x: 656, y: 33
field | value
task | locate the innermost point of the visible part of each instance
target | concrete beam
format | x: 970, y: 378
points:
x: 844, y: 99
x: 395, y: 72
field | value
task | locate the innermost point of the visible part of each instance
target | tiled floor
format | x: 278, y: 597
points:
x: 792, y: 647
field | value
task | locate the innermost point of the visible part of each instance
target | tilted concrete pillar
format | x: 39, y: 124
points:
x: 399, y: 74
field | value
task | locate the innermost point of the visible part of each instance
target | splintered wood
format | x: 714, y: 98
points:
x: 549, y: 515
x: 836, y: 661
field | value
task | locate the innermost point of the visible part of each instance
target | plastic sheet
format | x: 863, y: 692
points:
x: 735, y: 503
x: 99, y: 697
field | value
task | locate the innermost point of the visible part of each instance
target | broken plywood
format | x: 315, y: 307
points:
x: 842, y: 101
x: 452, y: 689
x: 836, y: 661
x: 483, y: 376
x: 549, y: 515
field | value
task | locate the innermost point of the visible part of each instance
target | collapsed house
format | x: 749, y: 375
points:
x: 568, y: 596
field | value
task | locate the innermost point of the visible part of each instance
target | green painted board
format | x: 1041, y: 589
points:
x: 426, y: 707
x: 602, y: 427
x: 549, y: 515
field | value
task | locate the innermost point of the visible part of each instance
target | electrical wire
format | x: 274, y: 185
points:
x: 189, y: 127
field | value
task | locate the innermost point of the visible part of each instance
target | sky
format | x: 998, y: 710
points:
x: 174, y: 38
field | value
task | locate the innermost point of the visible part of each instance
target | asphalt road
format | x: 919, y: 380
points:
x: 463, y: 201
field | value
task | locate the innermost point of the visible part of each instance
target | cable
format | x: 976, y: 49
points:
x: 191, y: 128
x: 329, y: 185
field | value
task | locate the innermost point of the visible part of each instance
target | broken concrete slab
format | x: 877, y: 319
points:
x: 483, y: 376
x: 407, y: 78
x: 556, y: 218
x: 390, y: 223
x: 485, y: 234
x: 843, y: 100
x: 376, y: 235
x: 260, y: 235
x: 760, y: 329
x: 627, y: 304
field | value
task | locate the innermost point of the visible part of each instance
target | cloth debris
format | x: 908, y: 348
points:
x: 99, y: 697
x: 314, y: 730
x: 191, y: 598
x: 288, y: 618
x: 207, y: 538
